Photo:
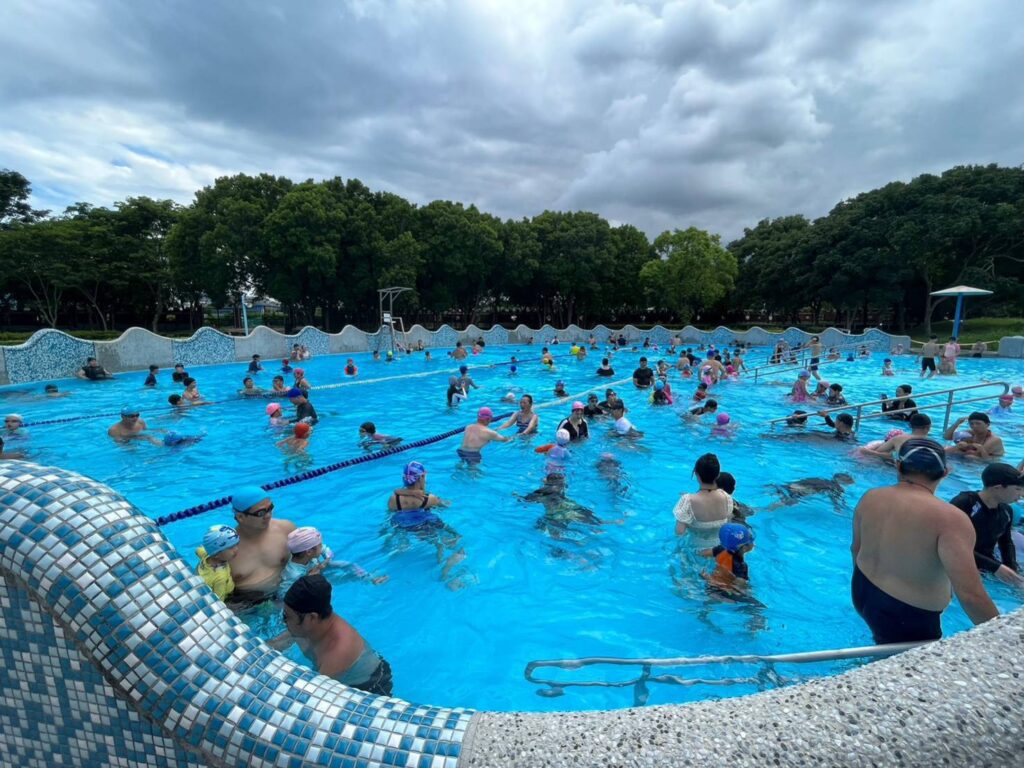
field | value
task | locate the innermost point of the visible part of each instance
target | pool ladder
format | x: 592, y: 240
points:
x: 948, y: 404
x: 767, y: 676
x: 803, y: 359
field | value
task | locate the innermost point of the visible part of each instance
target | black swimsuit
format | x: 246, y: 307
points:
x: 892, y: 620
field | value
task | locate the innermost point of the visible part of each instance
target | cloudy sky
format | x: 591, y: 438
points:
x: 660, y: 114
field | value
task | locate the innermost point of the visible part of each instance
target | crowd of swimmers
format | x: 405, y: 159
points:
x: 907, y: 543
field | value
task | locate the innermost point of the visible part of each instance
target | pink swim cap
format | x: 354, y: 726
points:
x: 1006, y: 398
x: 300, y: 371
x: 1017, y: 389
x: 892, y: 433
x: 484, y: 413
x: 722, y: 419
x: 577, y: 406
x: 273, y: 408
x: 303, y: 540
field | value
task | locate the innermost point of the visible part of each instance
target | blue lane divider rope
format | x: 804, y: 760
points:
x: 319, y: 472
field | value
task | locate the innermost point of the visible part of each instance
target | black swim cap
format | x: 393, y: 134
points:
x: 979, y: 416
x: 310, y: 594
x: 922, y: 456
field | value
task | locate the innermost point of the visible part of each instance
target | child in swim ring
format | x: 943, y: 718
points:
x: 350, y: 368
x: 887, y: 368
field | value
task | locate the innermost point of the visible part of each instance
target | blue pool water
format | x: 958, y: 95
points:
x: 620, y: 590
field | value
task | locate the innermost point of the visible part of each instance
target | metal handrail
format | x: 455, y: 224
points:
x: 798, y: 367
x: 803, y: 349
x: 767, y: 675
x: 948, y: 405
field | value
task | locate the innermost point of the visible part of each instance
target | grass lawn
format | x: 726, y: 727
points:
x: 974, y: 329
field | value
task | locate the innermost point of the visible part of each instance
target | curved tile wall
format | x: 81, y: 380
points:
x: 50, y: 354
x: 115, y: 653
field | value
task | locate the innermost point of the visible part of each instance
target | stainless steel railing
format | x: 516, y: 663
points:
x: 949, y: 404
x: 767, y: 676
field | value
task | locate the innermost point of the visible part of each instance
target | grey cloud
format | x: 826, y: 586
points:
x: 659, y: 114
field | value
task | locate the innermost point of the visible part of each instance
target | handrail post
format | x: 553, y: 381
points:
x: 857, y: 426
x: 949, y: 409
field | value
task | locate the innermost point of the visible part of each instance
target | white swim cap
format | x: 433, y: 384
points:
x: 562, y: 437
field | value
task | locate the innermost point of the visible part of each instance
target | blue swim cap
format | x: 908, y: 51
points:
x: 247, y: 496
x: 413, y: 472
x: 733, y: 536
x: 173, y: 438
x: 129, y: 410
x: 294, y: 392
x: 513, y: 369
x: 219, y: 538
x: 463, y: 369
x: 659, y: 384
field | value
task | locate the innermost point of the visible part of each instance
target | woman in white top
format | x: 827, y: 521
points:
x: 708, y: 509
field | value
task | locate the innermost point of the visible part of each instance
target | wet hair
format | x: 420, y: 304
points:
x: 50, y: 388
x: 906, y: 388
x: 369, y: 427
x: 604, y: 361
x: 707, y: 468
x: 154, y: 368
x: 247, y: 378
x: 920, y: 421
x: 845, y: 419
x: 836, y: 387
x: 702, y: 385
x: 979, y: 416
x: 174, y: 399
x: 528, y: 397
x: 711, y: 403
x: 188, y: 381
x: 798, y: 417
x: 310, y: 594
x: 726, y: 482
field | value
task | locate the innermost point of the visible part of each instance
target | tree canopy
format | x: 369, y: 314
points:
x: 324, y: 248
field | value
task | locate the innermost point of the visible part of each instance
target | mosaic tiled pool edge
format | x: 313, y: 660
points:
x: 51, y: 354
x: 115, y: 653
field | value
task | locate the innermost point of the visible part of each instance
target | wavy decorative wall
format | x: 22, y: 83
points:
x: 112, y: 653
x: 51, y: 354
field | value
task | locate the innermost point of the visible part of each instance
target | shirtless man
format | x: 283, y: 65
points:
x: 980, y: 442
x: 262, y: 545
x: 929, y: 351
x: 920, y: 426
x: 331, y: 643
x: 909, y: 548
x: 477, y: 435
x: 131, y: 426
x: 460, y: 352
x: 815, y: 349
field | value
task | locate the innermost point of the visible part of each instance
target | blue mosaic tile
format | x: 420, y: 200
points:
x: 318, y: 342
x: 149, y: 634
x: 445, y: 336
x: 496, y: 335
x: 48, y: 354
x: 205, y: 347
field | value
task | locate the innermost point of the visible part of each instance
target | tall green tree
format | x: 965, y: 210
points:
x: 693, y: 272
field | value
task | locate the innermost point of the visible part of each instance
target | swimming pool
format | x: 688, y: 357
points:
x: 617, y: 591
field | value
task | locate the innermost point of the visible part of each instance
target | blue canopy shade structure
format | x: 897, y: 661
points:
x: 960, y: 291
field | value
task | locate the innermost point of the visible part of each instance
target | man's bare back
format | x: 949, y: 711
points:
x: 916, y: 548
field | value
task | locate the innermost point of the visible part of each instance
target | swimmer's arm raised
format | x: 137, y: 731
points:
x: 948, y: 434
x: 956, y: 553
